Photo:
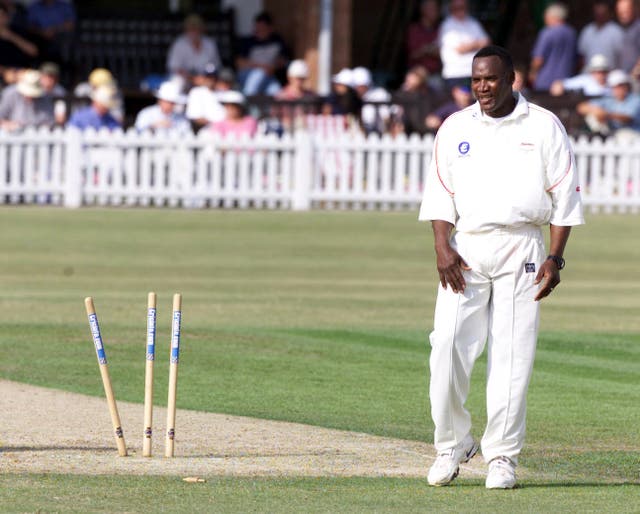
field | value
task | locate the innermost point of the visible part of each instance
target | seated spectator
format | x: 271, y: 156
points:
x: 520, y: 79
x: 553, y: 56
x: 461, y: 36
x: 601, y: 36
x: 261, y: 57
x: 422, y: 39
x: 16, y: 51
x: 164, y: 115
x: 25, y: 105
x: 203, y: 106
x: 461, y: 98
x: 50, y: 80
x: 416, y: 100
x: 343, y: 99
x: 591, y: 83
x: 618, y: 110
x: 101, y: 77
x: 374, y: 118
x: 297, y: 75
x: 226, y: 80
x: 97, y: 115
x: 236, y: 123
x: 192, y: 51
x: 54, y: 22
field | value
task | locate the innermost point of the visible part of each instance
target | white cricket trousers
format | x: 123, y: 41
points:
x: 496, y: 308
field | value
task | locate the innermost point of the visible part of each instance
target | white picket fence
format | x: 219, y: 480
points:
x: 299, y: 172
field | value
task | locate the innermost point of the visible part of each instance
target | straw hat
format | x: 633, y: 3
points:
x: 101, y: 77
x: 29, y: 84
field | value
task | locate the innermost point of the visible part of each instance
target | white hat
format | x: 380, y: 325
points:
x: 598, y: 62
x: 170, y: 92
x: 298, y: 69
x: 105, y: 96
x: 29, y: 84
x: 617, y: 78
x: 344, y: 77
x: 361, y: 76
x: 231, y: 97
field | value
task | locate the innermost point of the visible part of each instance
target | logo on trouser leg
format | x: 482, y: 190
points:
x: 530, y: 267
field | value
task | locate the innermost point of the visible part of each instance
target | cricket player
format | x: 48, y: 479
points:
x: 501, y: 168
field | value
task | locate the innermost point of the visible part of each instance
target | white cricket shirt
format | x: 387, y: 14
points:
x: 487, y: 174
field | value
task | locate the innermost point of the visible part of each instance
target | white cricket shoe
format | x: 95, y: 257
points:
x: 447, y: 464
x: 502, y: 474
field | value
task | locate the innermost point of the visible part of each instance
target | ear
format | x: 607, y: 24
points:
x: 511, y: 77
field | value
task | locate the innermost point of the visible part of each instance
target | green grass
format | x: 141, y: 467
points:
x: 319, y: 318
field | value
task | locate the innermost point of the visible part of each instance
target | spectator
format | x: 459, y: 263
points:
x: 461, y: 99
x: 460, y: 37
x: 416, y: 99
x: 520, y: 79
x: 374, y: 118
x: 192, y: 51
x: 15, y: 50
x: 203, y: 106
x: 24, y: 104
x: 236, y: 123
x: 601, y: 36
x: 591, y: 83
x: 618, y: 110
x: 554, y: 53
x: 50, y: 80
x: 54, y: 22
x: 628, y: 17
x: 101, y: 77
x: 297, y: 75
x: 164, y: 115
x: 343, y: 99
x: 261, y: 57
x: 422, y: 39
x: 97, y: 115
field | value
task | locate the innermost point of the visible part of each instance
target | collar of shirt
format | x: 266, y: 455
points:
x: 521, y: 109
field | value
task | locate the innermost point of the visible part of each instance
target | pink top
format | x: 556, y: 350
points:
x: 245, y: 126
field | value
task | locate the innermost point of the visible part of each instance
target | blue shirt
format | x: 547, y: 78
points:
x: 557, y: 47
x: 89, y: 118
x: 43, y: 15
x: 630, y: 106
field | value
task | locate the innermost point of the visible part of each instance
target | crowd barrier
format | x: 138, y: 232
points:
x: 300, y: 171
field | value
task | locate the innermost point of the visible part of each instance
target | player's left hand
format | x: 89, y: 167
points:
x: 549, y: 275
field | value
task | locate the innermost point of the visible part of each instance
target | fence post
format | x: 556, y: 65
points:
x: 301, y: 193
x: 73, y: 171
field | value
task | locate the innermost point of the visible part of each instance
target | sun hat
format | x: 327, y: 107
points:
x: 50, y: 68
x: 598, y: 62
x: 344, y: 77
x: 361, y: 77
x: 170, y: 92
x: 298, y: 69
x: 105, y: 96
x: 231, y: 97
x: 101, y: 77
x: 29, y: 84
x: 617, y: 78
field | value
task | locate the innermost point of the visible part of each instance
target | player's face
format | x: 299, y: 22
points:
x: 492, y: 85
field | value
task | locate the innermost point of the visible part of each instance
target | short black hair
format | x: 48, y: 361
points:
x: 263, y: 17
x: 499, y: 52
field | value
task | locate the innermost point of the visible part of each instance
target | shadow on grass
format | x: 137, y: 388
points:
x: 14, y: 449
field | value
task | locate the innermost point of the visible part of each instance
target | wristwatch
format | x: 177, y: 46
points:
x: 558, y: 260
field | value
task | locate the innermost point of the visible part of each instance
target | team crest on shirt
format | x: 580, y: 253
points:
x: 464, y: 148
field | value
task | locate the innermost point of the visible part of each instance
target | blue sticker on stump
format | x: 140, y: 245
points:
x: 97, y: 338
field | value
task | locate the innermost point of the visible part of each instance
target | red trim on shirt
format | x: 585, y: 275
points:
x: 557, y: 122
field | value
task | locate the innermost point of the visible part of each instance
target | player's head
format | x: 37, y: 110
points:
x: 492, y: 77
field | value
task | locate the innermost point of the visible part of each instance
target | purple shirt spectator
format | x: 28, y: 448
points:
x: 89, y: 118
x: 53, y: 14
x: 556, y: 46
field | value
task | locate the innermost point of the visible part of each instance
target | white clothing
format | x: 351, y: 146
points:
x: 148, y: 117
x: 497, y: 181
x: 585, y: 83
x: 607, y: 40
x: 202, y: 103
x: 183, y: 56
x: 453, y: 33
x: 518, y: 171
